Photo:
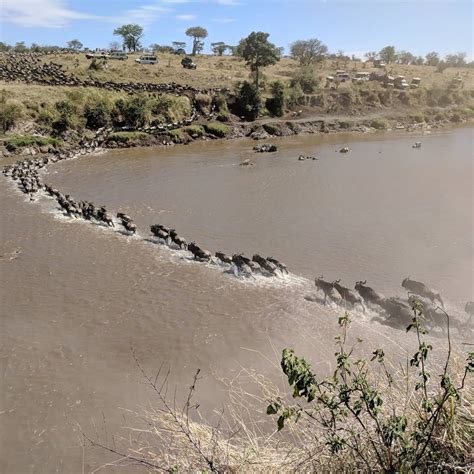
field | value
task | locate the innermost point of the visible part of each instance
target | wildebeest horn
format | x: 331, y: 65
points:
x: 364, y: 282
x: 337, y: 281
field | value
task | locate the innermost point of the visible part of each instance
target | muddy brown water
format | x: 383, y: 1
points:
x: 78, y: 297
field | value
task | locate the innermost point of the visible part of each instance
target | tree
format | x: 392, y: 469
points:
x: 388, y: 54
x: 197, y: 33
x: 75, y: 45
x: 249, y: 100
x: 258, y: 52
x: 20, y: 47
x: 4, y: 46
x: 179, y: 45
x: 371, y: 55
x: 219, y: 48
x: 308, y: 52
x: 432, y: 59
x: 405, y: 57
x: 131, y: 35
x: 115, y: 46
x: 456, y: 60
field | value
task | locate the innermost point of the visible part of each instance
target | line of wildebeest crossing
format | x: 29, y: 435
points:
x: 394, y: 311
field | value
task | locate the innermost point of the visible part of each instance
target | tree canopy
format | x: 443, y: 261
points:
x: 432, y: 59
x: 75, y: 45
x: 258, y: 52
x: 218, y: 48
x: 308, y: 52
x: 388, y: 54
x: 131, y: 35
x: 198, y: 33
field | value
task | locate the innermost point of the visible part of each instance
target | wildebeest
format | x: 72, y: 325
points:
x: 199, y: 253
x: 223, y: 257
x: 419, y: 288
x: 325, y: 286
x: 240, y: 263
x: 251, y: 264
x: 123, y: 217
x: 158, y: 231
x: 369, y: 295
x: 178, y: 240
x: 348, y: 295
x: 279, y: 264
x: 265, y: 264
x: 129, y: 226
x: 397, y: 310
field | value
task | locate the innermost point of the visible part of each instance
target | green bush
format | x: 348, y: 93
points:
x: 9, y: 113
x: 14, y: 143
x: 217, y: 129
x: 276, y: 104
x: 127, y: 137
x: 306, y: 79
x: 295, y: 96
x: 193, y: 130
x: 378, y: 124
x: 357, y: 417
x: 248, y: 101
x: 220, y: 104
x: 133, y: 112
x: 97, y: 114
x: 66, y: 119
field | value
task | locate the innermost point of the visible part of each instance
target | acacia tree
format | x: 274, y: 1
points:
x: 197, y: 33
x: 432, y: 59
x: 219, y: 48
x: 179, y: 45
x: 388, y: 54
x: 308, y: 52
x: 258, y: 52
x: 131, y: 35
x: 75, y: 45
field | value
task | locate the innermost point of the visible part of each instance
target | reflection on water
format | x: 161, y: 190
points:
x: 79, y: 296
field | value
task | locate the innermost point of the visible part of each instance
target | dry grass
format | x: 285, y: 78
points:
x: 224, y: 71
x: 175, y: 438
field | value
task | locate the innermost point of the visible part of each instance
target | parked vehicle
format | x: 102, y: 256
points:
x: 179, y: 51
x: 98, y: 55
x: 187, y: 63
x: 415, y: 83
x: 361, y: 77
x: 378, y: 63
x: 401, y: 83
x: 343, y: 76
x: 147, y: 59
x: 377, y: 76
x: 120, y: 55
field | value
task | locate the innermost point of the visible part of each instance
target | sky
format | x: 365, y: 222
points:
x: 354, y: 26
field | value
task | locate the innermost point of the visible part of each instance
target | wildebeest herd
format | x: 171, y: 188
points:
x: 394, y: 311
x: 26, y: 174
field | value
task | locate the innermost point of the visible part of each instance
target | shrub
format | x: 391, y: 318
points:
x: 66, y: 117
x: 133, y: 112
x: 203, y: 103
x: 127, y: 137
x: 220, y: 104
x: 378, y: 124
x: 14, y: 143
x: 10, y: 113
x: 272, y: 129
x: 194, y: 130
x: 356, y: 416
x: 97, y: 114
x: 418, y: 118
x: 217, y: 129
x: 249, y: 101
x: 276, y: 104
x: 295, y: 96
x: 306, y: 79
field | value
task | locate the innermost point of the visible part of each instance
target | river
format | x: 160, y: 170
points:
x: 78, y: 298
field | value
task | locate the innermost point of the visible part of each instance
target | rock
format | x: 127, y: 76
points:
x: 265, y: 148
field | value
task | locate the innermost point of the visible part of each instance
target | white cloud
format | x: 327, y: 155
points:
x: 42, y: 13
x: 186, y: 17
x: 144, y: 15
x: 223, y: 20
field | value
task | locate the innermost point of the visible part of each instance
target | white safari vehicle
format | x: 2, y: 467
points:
x: 147, y: 59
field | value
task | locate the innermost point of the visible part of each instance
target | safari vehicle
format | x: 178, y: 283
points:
x: 456, y: 83
x: 120, y: 55
x: 401, y: 83
x: 361, y: 77
x: 147, y: 59
x: 343, y: 76
x: 97, y: 55
x: 187, y: 63
x: 415, y: 83
x: 378, y: 63
x: 179, y: 51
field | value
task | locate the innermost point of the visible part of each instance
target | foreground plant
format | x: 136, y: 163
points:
x: 358, y: 421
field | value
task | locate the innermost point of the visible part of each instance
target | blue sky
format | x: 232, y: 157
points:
x: 354, y: 26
